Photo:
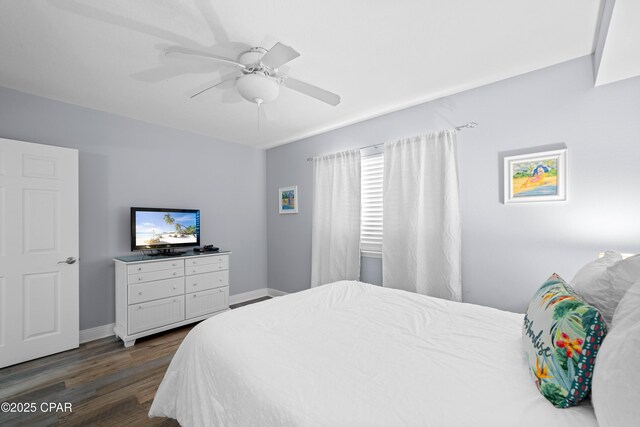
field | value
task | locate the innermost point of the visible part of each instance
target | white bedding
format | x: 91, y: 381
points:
x: 352, y: 354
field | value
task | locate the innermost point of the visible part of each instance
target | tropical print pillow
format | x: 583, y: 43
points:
x: 561, y: 337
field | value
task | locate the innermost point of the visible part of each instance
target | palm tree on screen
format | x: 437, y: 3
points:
x: 169, y: 219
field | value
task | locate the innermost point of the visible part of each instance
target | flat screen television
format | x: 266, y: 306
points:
x: 164, y: 228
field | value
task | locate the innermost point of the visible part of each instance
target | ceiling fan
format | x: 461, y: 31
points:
x: 257, y: 76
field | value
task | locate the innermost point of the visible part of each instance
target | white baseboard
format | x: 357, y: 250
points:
x: 96, y: 333
x: 104, y: 331
x: 275, y: 293
x: 247, y: 296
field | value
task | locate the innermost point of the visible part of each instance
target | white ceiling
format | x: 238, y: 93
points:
x: 621, y: 43
x: 380, y: 56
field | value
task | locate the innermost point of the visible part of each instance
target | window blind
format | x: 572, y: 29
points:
x: 372, y: 168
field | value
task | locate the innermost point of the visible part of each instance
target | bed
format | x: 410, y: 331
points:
x: 354, y: 354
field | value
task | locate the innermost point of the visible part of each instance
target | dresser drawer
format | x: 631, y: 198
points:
x: 207, y: 302
x: 156, y: 275
x: 206, y: 268
x: 202, y: 282
x: 215, y: 259
x: 154, y: 266
x: 154, y: 314
x: 155, y: 290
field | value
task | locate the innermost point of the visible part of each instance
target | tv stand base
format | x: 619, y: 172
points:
x: 166, y: 252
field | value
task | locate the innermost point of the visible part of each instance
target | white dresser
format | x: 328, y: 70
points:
x: 154, y: 295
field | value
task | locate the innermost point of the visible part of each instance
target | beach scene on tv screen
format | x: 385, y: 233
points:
x: 161, y: 228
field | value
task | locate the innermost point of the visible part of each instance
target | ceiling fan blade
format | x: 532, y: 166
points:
x: 311, y: 90
x: 279, y: 55
x: 222, y: 80
x: 179, y: 50
x: 268, y: 40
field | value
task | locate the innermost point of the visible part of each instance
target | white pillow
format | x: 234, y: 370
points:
x: 615, y: 391
x: 622, y: 275
x: 592, y: 283
x: 628, y: 307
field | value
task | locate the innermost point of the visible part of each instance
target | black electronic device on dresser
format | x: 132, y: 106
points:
x: 206, y: 248
x: 164, y: 229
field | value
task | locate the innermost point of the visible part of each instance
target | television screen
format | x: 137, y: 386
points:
x: 155, y: 228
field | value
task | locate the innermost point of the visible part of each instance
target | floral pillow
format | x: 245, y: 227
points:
x: 561, y: 337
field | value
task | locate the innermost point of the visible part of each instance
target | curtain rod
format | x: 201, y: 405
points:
x: 469, y: 125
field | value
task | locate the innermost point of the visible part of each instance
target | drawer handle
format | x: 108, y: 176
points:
x: 174, y: 264
x: 139, y: 307
x: 194, y: 271
x: 175, y: 287
x: 139, y: 278
x: 139, y: 268
x: 195, y: 295
x: 139, y: 293
x: 195, y: 262
x: 195, y: 284
x: 174, y: 273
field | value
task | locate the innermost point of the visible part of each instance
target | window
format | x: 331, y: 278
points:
x: 372, y: 168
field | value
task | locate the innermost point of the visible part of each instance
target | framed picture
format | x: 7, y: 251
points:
x: 288, y: 199
x: 536, y: 177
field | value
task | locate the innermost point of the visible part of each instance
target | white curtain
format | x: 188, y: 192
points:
x: 335, y: 235
x: 421, y: 247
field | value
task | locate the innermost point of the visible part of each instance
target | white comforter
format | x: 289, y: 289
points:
x: 352, y: 354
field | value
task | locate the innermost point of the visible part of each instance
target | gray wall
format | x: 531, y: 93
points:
x: 126, y: 163
x: 508, y: 251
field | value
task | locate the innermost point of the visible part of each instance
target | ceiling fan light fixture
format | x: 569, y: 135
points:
x: 255, y: 87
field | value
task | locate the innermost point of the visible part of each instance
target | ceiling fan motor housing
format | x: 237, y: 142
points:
x: 252, y: 57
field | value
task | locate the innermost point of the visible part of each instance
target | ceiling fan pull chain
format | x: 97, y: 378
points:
x: 258, y: 102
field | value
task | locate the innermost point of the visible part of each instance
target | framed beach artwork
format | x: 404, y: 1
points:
x: 288, y: 200
x: 536, y: 177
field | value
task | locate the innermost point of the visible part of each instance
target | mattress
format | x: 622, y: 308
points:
x: 353, y: 354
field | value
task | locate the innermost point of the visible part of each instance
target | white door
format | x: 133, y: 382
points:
x: 38, y: 235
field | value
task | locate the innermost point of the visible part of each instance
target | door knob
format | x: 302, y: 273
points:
x: 70, y: 260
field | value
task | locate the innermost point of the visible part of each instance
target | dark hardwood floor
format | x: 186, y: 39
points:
x: 106, y: 384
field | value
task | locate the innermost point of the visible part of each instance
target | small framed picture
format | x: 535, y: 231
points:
x: 536, y: 177
x: 288, y: 199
